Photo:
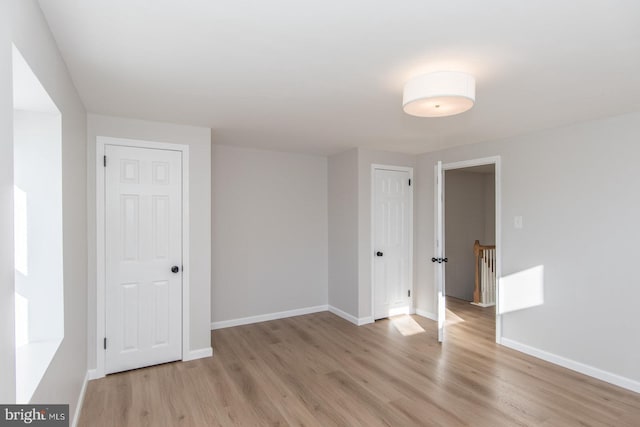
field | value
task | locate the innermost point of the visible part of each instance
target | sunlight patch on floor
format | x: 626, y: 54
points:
x: 453, y: 318
x: 406, y: 325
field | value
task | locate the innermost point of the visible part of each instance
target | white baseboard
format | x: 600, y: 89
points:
x: 343, y: 314
x: 365, y: 320
x: 267, y: 317
x: 291, y: 313
x: 426, y: 314
x: 93, y: 374
x: 479, y: 304
x: 358, y: 321
x: 83, y: 390
x: 200, y: 353
x: 609, y: 377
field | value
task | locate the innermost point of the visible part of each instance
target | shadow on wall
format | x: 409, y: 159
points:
x: 521, y: 290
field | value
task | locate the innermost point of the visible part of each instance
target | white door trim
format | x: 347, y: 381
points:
x: 375, y: 167
x: 495, y: 160
x: 101, y: 141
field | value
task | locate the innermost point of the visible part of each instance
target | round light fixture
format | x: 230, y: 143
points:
x: 439, y: 94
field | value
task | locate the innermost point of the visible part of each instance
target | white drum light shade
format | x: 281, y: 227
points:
x: 439, y: 94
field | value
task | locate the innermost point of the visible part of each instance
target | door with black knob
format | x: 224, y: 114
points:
x: 143, y: 230
x: 391, y: 223
x: 439, y: 258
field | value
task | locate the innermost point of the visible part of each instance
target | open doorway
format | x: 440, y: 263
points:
x: 469, y: 241
x: 442, y: 243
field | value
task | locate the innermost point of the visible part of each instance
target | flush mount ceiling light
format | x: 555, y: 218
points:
x: 439, y: 94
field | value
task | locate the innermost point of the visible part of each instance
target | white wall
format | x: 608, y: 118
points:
x: 269, y: 232
x: 63, y: 380
x: 465, y: 209
x: 580, y: 214
x: 199, y: 141
x: 343, y: 231
x: 7, y: 341
x: 365, y: 159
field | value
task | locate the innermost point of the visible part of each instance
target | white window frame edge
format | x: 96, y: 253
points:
x: 374, y: 167
x: 101, y: 141
x: 495, y: 160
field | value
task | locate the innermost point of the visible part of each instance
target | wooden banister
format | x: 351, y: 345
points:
x: 477, y: 251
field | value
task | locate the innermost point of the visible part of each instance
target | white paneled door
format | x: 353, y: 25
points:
x: 143, y: 221
x: 391, y: 218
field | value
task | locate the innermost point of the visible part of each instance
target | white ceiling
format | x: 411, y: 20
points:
x: 324, y: 76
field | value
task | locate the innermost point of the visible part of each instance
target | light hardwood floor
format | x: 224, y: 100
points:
x: 320, y: 370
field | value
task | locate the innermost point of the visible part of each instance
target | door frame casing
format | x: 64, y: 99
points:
x: 496, y: 161
x: 101, y: 142
x: 408, y: 169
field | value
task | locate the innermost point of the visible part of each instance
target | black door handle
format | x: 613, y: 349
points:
x: 175, y: 269
x: 439, y: 260
x: 379, y: 253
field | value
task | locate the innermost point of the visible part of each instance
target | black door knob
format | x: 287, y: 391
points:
x: 379, y: 253
x: 175, y: 269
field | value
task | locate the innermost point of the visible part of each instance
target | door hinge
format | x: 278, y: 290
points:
x: 409, y: 182
x: 409, y: 293
x: 105, y: 343
x: 104, y: 161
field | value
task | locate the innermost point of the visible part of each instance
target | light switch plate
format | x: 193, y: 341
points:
x: 517, y: 221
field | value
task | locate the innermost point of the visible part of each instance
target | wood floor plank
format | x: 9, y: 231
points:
x: 319, y: 370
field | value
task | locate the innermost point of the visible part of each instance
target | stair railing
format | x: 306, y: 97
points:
x: 484, y: 293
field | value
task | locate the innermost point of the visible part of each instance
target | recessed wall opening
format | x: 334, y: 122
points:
x: 37, y: 164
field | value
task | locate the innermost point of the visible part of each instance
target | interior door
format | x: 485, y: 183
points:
x: 439, y: 259
x: 391, y: 243
x: 143, y: 229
